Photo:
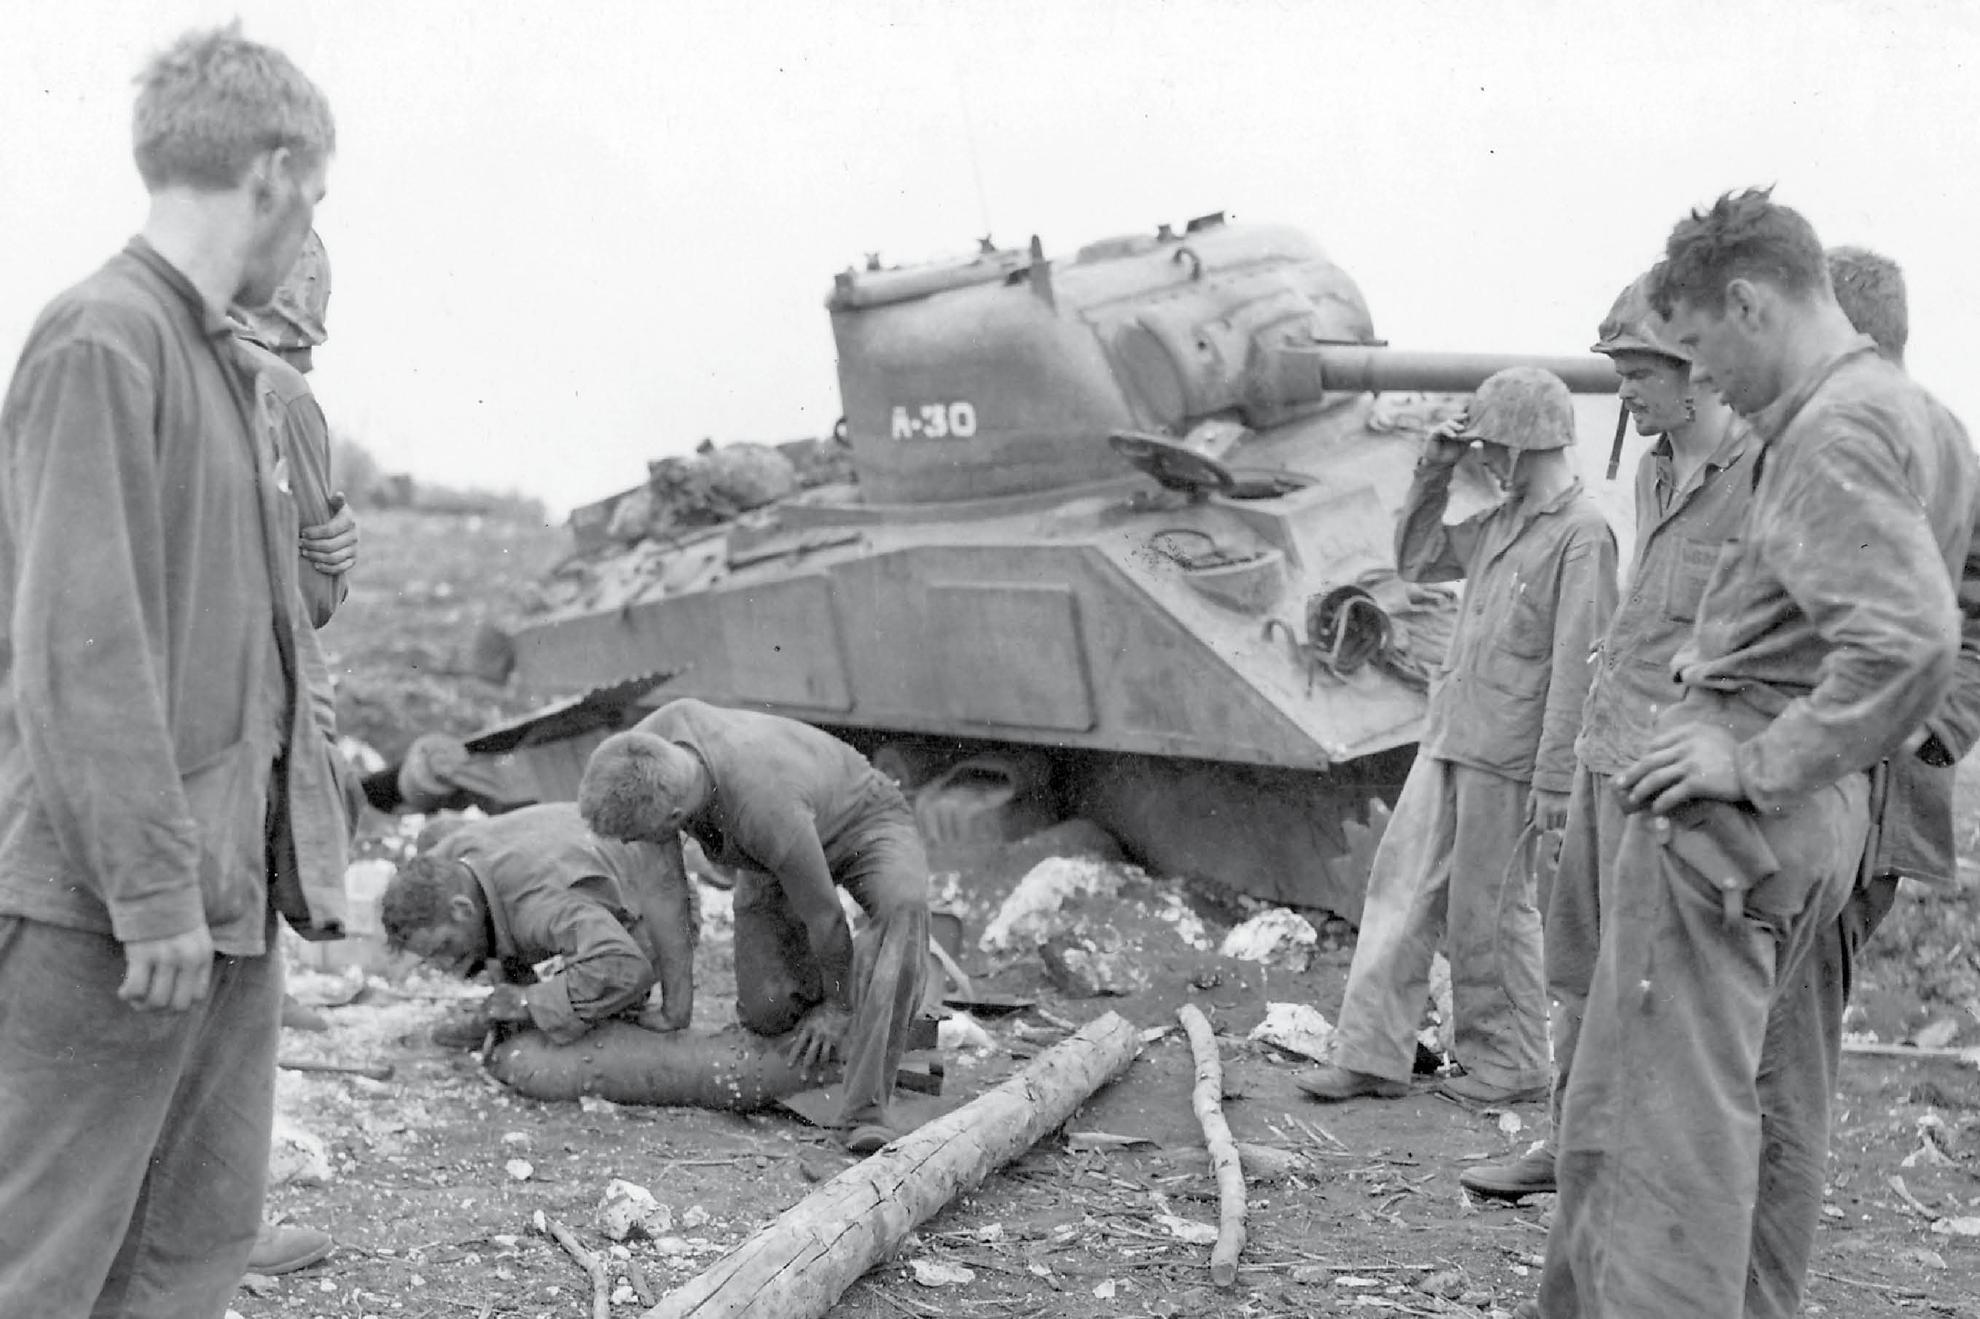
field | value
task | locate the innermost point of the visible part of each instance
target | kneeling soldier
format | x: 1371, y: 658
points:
x: 536, y: 884
x: 801, y: 814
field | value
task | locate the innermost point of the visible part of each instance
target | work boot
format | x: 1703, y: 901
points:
x: 1532, y: 1173
x: 288, y: 1248
x: 869, y: 1138
x: 1330, y: 1085
x: 1475, y: 1092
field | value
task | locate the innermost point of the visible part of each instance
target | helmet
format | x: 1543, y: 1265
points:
x: 294, y: 317
x: 1631, y: 327
x: 1522, y: 407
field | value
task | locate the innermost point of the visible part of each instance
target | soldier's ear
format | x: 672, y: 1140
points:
x: 461, y: 909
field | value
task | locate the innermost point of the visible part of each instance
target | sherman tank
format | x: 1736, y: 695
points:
x: 1116, y: 543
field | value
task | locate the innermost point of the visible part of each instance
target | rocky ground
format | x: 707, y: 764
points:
x: 433, y: 1179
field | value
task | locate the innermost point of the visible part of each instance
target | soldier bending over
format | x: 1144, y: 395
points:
x: 535, y: 884
x: 801, y: 813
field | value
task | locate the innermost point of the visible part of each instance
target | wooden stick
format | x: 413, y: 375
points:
x: 1967, y: 1053
x: 1209, y: 1102
x: 376, y: 1071
x: 601, y: 1279
x: 799, y: 1266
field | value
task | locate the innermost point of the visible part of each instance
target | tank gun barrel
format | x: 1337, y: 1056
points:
x: 1306, y: 371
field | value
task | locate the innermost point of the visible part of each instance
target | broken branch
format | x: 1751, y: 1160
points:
x: 1209, y: 1102
x: 376, y: 1071
x: 798, y: 1266
x: 601, y: 1281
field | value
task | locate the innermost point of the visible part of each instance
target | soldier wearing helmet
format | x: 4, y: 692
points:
x: 1691, y: 491
x: 276, y: 343
x: 1495, y: 761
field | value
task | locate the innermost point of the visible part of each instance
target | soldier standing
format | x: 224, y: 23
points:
x: 164, y: 788
x: 1496, y: 759
x: 1819, y: 646
x: 1691, y: 491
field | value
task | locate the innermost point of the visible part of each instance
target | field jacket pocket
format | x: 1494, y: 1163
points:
x: 228, y: 796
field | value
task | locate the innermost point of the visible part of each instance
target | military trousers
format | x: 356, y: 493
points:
x: 133, y: 1145
x: 1692, y: 1034
x: 778, y: 980
x: 1791, y: 1177
x: 1447, y: 871
x: 1583, y: 885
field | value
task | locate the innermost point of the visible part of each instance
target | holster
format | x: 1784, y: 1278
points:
x: 1722, y: 841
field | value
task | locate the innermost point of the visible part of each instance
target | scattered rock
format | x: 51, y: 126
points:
x: 961, y: 1032
x: 1294, y: 1027
x: 1094, y: 965
x: 940, y: 1273
x: 520, y: 1169
x: 296, y: 1157
x: 1266, y: 1163
x: 628, y: 1209
x: 1188, y: 1229
x: 1957, y: 1227
x: 1937, y: 1035
x: 1275, y: 937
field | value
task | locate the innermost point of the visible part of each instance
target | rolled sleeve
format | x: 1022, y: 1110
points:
x: 89, y: 666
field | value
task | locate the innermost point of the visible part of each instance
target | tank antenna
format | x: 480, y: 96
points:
x: 969, y: 140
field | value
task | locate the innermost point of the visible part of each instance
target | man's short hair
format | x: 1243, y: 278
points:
x: 632, y: 783
x: 420, y: 897
x: 1870, y: 289
x: 213, y: 102
x: 1746, y: 235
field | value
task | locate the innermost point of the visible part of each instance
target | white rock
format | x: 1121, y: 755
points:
x: 628, y: 1209
x: 520, y: 1169
x: 1188, y: 1229
x: 296, y: 1157
x: 695, y: 1216
x: 962, y: 1031
x: 1275, y: 937
x: 623, y: 1294
x: 1957, y: 1227
x: 941, y: 1273
x: 516, y: 1140
x: 1025, y: 919
x: 1296, y: 1028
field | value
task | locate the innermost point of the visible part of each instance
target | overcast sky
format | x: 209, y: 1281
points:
x: 570, y: 237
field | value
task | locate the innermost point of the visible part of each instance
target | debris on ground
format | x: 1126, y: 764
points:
x: 1295, y: 1027
x: 1274, y: 937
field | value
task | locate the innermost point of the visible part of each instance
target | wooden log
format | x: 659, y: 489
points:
x: 798, y: 1266
x: 1209, y: 1102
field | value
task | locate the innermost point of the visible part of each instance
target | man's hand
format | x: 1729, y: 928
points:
x: 1547, y: 811
x: 331, y: 547
x: 817, y: 1038
x: 505, y: 1003
x: 1448, y: 440
x: 171, y: 973
x: 1684, y: 764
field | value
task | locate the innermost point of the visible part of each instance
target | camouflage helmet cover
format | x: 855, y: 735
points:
x: 1522, y: 407
x: 294, y: 317
x: 1631, y: 326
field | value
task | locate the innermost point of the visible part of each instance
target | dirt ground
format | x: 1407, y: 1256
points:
x: 431, y: 1179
